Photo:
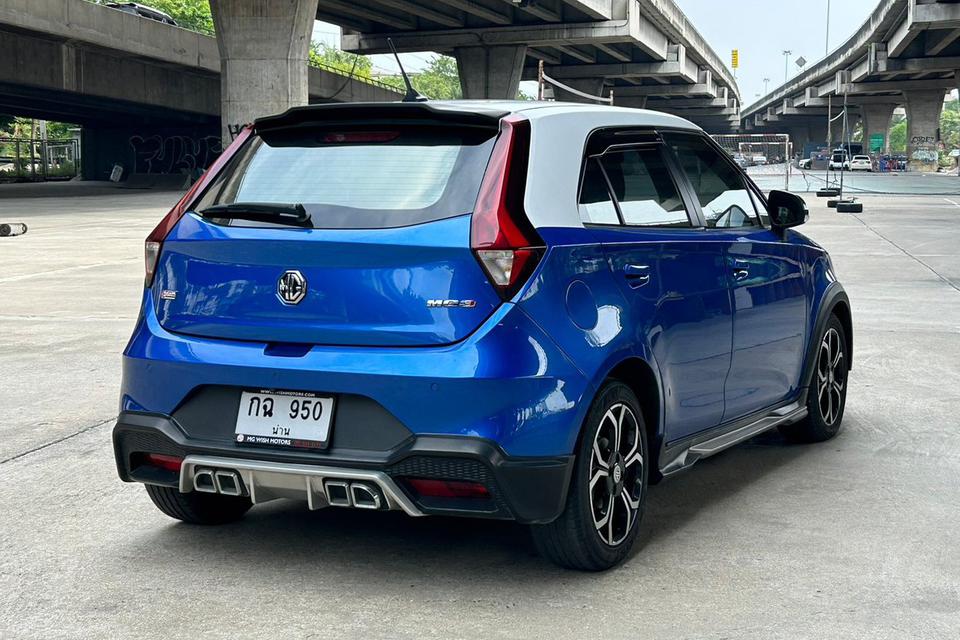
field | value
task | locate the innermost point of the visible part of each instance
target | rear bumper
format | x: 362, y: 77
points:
x: 527, y: 489
x: 508, y: 383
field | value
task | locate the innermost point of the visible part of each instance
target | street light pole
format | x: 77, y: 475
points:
x: 826, y: 46
x: 786, y: 61
x: 766, y: 82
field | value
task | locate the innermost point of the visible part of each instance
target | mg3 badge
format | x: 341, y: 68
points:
x: 451, y: 304
x: 292, y: 287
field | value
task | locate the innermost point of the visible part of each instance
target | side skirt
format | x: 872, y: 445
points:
x: 684, y: 454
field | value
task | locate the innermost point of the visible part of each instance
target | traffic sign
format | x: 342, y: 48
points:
x: 876, y: 143
x: 735, y: 58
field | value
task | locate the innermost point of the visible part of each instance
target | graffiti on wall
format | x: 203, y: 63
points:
x: 174, y: 154
x: 924, y: 149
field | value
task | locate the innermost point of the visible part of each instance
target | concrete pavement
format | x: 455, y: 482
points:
x: 849, y: 539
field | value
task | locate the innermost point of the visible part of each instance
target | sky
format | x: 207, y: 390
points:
x: 763, y: 29
x: 760, y: 29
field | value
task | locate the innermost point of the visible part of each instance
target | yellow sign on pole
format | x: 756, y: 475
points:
x: 735, y: 58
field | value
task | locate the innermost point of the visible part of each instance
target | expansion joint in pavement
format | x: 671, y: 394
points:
x: 907, y: 253
x: 57, y: 441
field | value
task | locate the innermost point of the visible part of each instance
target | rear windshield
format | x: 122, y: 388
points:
x: 359, y: 177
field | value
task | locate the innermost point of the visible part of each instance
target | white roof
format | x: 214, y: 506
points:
x: 540, y: 109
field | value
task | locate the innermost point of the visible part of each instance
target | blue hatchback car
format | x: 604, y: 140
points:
x: 519, y: 310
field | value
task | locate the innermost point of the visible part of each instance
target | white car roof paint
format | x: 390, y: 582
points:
x: 559, y: 132
x: 558, y: 137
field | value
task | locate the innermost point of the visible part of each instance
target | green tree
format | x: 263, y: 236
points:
x: 323, y: 54
x: 950, y: 125
x: 189, y: 14
x: 19, y: 127
x: 439, y: 81
x: 898, y: 137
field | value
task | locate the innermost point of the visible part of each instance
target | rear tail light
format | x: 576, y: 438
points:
x: 505, y: 243
x: 429, y: 488
x: 165, y: 462
x: 154, y: 242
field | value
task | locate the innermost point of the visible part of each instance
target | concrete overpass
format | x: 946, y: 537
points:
x: 645, y: 50
x: 906, y: 54
x: 148, y: 94
x: 130, y: 80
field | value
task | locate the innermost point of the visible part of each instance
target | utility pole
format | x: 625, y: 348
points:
x: 786, y: 62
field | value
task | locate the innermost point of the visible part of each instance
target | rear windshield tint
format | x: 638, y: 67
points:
x: 360, y: 177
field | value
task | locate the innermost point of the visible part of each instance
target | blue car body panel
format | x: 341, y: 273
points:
x: 717, y: 347
x: 771, y: 326
x: 365, y: 287
x: 531, y: 392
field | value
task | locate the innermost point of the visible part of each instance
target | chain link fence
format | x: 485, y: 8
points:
x: 773, y: 163
x: 23, y: 159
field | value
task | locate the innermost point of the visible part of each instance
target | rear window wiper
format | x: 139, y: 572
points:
x: 276, y: 213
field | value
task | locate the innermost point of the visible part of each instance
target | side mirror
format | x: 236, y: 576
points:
x: 786, y: 209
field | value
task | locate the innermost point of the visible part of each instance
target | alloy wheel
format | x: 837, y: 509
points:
x: 831, y: 377
x: 616, y: 474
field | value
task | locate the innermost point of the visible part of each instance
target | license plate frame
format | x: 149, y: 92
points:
x: 264, y: 419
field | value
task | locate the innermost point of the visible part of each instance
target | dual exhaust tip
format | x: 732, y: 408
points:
x: 227, y: 483
x: 340, y: 493
x: 360, y: 495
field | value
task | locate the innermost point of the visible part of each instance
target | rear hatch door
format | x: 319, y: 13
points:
x: 385, y: 258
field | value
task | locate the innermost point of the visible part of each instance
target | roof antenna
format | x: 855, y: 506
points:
x: 412, y: 94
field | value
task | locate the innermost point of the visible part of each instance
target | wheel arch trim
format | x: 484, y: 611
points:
x: 616, y: 369
x: 834, y: 299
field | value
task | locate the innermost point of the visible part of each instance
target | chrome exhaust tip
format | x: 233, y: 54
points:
x: 229, y: 483
x: 204, y: 482
x: 364, y: 496
x: 338, y: 493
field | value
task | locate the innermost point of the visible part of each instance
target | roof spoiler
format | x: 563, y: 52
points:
x: 380, y: 113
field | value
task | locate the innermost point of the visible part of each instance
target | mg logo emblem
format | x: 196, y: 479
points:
x: 292, y: 287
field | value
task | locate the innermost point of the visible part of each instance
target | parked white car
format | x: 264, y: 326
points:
x: 839, y: 162
x: 860, y: 163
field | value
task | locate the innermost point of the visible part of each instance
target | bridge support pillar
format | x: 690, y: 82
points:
x: 818, y: 132
x: 923, y: 129
x: 591, y: 86
x: 490, y: 72
x: 876, y: 123
x: 799, y: 137
x: 264, y: 46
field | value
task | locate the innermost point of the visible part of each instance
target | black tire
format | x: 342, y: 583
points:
x: 198, y: 508
x: 574, y: 540
x: 827, y: 397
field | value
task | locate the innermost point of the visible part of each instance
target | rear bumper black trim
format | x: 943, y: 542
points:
x: 528, y: 490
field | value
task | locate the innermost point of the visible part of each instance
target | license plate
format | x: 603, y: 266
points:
x: 284, y: 419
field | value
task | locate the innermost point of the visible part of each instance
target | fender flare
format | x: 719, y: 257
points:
x: 834, y: 295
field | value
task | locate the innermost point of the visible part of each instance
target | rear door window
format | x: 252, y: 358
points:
x: 643, y: 188
x: 360, y: 177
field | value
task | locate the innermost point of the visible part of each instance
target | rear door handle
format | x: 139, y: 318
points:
x: 637, y: 275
